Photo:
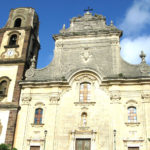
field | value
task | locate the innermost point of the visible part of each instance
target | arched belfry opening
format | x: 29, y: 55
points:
x: 17, y: 22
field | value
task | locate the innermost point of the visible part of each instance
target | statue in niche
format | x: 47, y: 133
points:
x: 1, y: 127
x: 84, y: 119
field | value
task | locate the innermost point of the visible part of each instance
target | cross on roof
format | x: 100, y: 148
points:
x: 89, y: 9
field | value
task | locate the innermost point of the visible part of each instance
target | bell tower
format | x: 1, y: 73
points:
x: 19, y: 42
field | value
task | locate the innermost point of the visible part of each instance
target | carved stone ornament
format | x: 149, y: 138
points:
x: 115, y: 97
x: 1, y: 127
x: 54, y: 98
x: 26, y: 100
x: 144, y: 68
x: 59, y: 44
x: 29, y: 73
x: 86, y: 55
x: 145, y: 97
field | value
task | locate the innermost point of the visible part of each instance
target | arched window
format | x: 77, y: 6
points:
x: 17, y: 22
x: 132, y: 115
x: 38, y: 116
x: 3, y: 88
x: 85, y: 92
x: 13, y: 40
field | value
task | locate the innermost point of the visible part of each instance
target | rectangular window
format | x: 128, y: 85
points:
x: 35, y: 148
x: 83, y: 144
x: 85, y: 92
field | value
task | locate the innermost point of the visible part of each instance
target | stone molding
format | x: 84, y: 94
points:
x: 132, y: 124
x: 84, y: 103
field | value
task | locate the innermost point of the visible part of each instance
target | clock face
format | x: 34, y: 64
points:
x: 10, y: 52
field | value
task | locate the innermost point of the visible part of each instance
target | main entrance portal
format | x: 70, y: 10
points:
x: 83, y: 144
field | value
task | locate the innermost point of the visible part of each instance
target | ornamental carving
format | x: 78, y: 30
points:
x: 145, y: 97
x: 54, y: 98
x: 26, y: 100
x: 115, y: 97
x: 144, y: 68
x: 86, y: 55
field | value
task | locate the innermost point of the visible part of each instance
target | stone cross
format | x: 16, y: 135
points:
x: 89, y: 9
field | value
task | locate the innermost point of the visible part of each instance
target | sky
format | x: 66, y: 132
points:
x: 131, y: 16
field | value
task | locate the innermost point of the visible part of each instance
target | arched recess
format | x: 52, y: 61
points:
x: 84, y: 84
x: 13, y: 38
x: 17, y: 18
x: 86, y: 75
x: 18, y: 22
x: 4, y: 85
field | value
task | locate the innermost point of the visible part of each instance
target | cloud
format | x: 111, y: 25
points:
x: 136, y: 20
x: 137, y: 17
x: 131, y: 49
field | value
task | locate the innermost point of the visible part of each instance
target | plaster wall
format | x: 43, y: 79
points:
x: 107, y: 111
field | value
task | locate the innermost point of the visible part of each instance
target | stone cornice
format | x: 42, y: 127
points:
x: 44, y: 83
x: 9, y: 105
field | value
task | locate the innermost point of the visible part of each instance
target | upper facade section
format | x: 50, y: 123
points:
x: 23, y: 17
x: 89, y: 24
x: 89, y: 44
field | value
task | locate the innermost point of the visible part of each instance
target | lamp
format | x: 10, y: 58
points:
x: 45, y: 133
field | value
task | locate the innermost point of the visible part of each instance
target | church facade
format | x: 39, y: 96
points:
x: 87, y: 98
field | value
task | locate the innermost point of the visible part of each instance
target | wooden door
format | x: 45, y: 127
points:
x: 35, y: 148
x: 133, y: 148
x: 83, y: 144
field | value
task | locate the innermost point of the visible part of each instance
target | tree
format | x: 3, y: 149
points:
x: 6, y: 147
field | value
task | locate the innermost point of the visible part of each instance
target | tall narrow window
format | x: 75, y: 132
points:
x: 3, y: 88
x: 85, y: 92
x: 132, y: 115
x: 38, y: 116
x: 13, y: 40
x: 17, y: 22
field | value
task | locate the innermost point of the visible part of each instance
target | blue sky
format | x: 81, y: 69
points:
x: 132, y: 16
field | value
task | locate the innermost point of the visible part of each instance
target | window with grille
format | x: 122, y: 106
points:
x: 85, y: 92
x: 132, y: 114
x: 38, y: 116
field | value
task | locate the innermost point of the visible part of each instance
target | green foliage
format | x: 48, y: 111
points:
x: 120, y: 75
x: 6, y: 147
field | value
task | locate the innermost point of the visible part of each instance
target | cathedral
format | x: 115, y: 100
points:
x: 87, y: 98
